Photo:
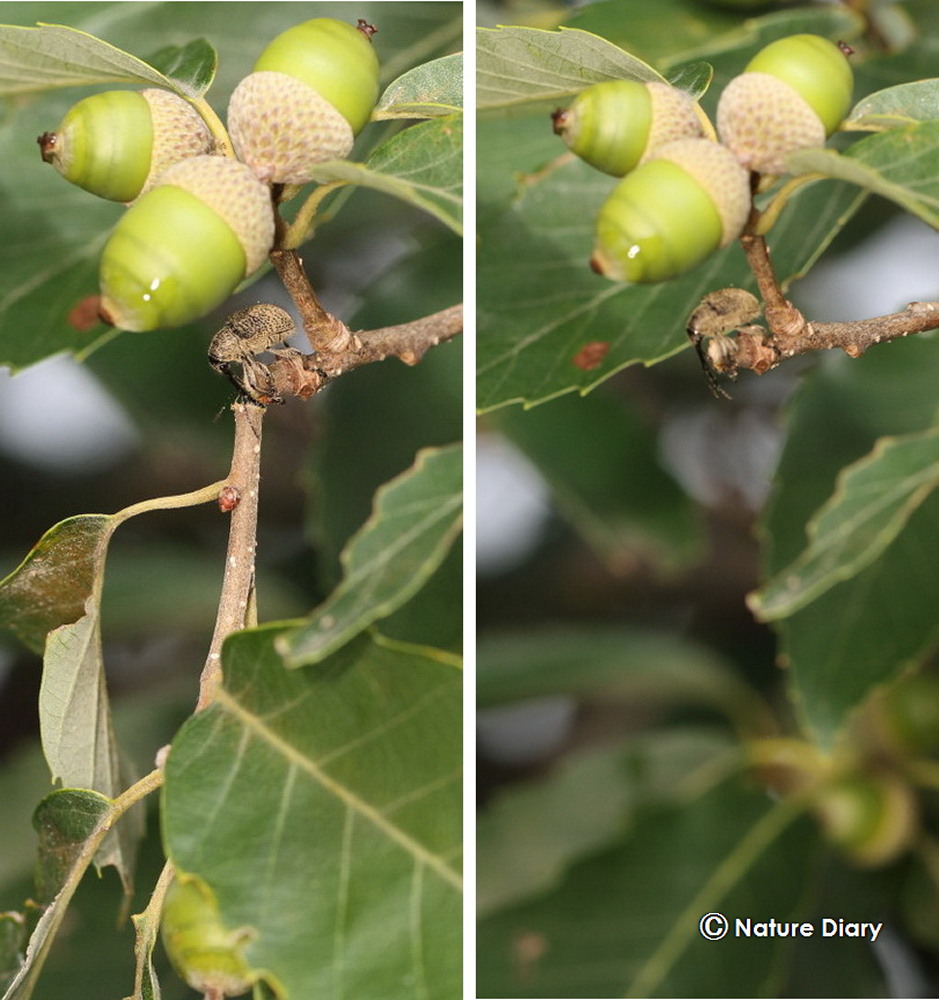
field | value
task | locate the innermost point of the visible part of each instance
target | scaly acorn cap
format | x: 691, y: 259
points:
x: 674, y: 116
x: 117, y: 144
x: 616, y: 124
x: 185, y: 245
x: 178, y: 133
x: 762, y: 119
x: 312, y: 90
x: 281, y: 126
x: 792, y: 95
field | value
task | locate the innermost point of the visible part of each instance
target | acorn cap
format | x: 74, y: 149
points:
x: 674, y: 117
x: 280, y: 127
x: 715, y: 168
x: 763, y: 119
x: 233, y: 191
x: 178, y: 133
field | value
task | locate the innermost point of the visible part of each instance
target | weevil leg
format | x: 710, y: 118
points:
x: 710, y: 373
x: 257, y: 384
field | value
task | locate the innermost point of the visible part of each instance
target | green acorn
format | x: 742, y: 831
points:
x: 204, y: 953
x: 312, y: 91
x: 616, y: 124
x: 871, y: 818
x: 117, y: 144
x: 671, y: 212
x: 792, y: 95
x: 184, y: 247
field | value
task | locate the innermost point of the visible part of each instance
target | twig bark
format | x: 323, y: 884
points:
x: 335, y: 350
x: 855, y: 337
x: 238, y: 583
x: 327, y: 334
x: 146, y: 926
x: 782, y: 317
x: 757, y: 350
x: 788, y: 333
x: 407, y: 341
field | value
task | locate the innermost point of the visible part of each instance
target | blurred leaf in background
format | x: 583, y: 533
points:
x: 650, y: 749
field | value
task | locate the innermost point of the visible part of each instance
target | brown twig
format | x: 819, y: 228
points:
x: 338, y: 349
x: 757, y: 350
x: 782, y: 317
x: 855, y: 337
x: 407, y: 341
x: 238, y: 582
x: 303, y: 375
x: 292, y: 373
x: 327, y: 334
x: 788, y: 333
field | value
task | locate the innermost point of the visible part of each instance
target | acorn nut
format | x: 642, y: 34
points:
x: 872, y: 818
x: 312, y: 91
x: 183, y: 247
x: 117, y: 144
x: 792, y: 95
x: 616, y: 124
x: 673, y: 211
